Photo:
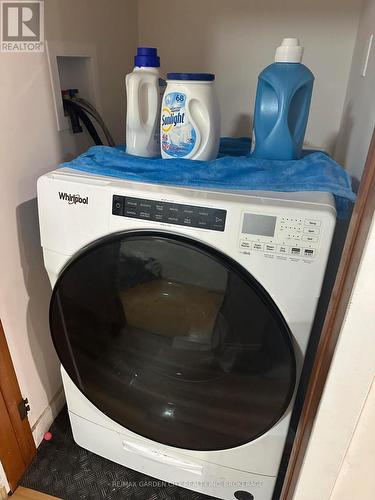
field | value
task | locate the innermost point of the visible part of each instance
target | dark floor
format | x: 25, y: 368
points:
x: 65, y: 470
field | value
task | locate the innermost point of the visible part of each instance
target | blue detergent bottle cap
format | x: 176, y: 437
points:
x: 201, y: 77
x: 147, y: 57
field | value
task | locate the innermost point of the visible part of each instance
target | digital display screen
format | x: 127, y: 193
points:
x: 261, y: 225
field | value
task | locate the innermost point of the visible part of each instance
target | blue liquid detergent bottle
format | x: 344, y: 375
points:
x: 282, y: 105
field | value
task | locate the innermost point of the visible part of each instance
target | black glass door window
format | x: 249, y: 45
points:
x: 173, y: 340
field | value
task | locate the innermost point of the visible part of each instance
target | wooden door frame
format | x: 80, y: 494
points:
x: 359, y: 227
x: 17, y: 447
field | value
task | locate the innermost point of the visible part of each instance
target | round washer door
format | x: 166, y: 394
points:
x: 173, y: 340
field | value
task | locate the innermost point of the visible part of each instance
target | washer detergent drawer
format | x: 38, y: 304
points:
x: 157, y: 456
x: 210, y: 479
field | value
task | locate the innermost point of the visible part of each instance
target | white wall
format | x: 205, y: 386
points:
x: 337, y: 453
x: 31, y: 146
x: 356, y: 478
x: 340, y: 459
x: 358, y: 118
x: 236, y: 39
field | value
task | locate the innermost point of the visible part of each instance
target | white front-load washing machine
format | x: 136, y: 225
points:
x: 181, y: 317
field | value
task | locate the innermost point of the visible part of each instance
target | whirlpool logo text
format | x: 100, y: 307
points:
x: 72, y: 199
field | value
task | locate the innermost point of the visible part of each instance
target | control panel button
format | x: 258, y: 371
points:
x: 130, y: 202
x: 203, y: 223
x: 283, y: 249
x: 218, y: 217
x: 296, y: 251
x: 187, y: 221
x: 257, y: 246
x: 130, y: 212
x: 171, y: 219
x: 117, y: 205
x: 188, y: 211
x: 145, y: 205
x: 312, y: 222
x: 159, y: 208
x: 294, y: 227
x: 311, y: 230
x: 269, y: 247
x: 291, y: 220
x: 310, y: 239
x: 173, y: 210
x: 203, y: 212
x: 245, y: 244
x: 309, y: 252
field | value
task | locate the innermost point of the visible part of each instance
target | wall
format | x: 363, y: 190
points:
x: 31, y: 146
x: 237, y: 39
x: 356, y: 478
x: 341, y: 450
x: 358, y: 118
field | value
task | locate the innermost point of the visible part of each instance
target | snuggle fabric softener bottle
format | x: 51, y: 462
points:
x: 282, y: 105
x: 143, y: 89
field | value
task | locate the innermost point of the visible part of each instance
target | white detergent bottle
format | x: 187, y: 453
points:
x: 143, y: 104
x: 190, y: 117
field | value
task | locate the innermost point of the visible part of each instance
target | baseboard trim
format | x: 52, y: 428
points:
x: 44, y: 422
x: 4, y: 485
x: 3, y: 493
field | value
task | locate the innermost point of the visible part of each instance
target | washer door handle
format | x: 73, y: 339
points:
x: 157, y: 456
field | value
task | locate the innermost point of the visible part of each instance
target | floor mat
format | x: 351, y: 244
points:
x: 65, y: 470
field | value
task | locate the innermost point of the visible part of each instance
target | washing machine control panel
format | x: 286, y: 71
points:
x: 280, y: 236
x: 171, y: 213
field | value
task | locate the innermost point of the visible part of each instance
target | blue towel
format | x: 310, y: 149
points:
x: 233, y: 169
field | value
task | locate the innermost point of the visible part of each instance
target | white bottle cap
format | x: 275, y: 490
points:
x: 289, y: 51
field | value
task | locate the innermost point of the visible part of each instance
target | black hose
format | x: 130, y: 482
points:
x: 74, y: 120
x: 92, y: 111
x: 74, y: 110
